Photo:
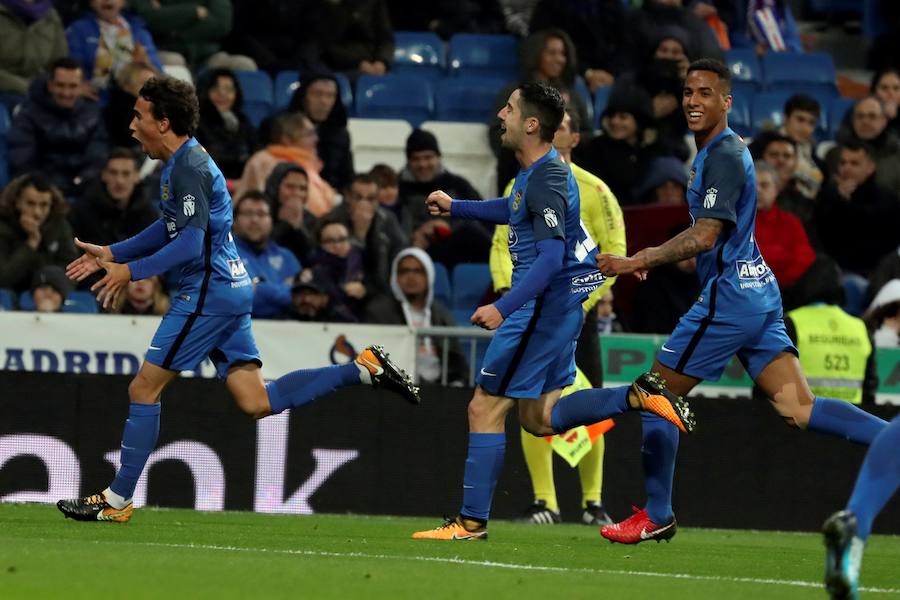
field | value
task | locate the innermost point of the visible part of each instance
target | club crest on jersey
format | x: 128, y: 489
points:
x: 517, y: 200
x: 710, y: 199
x: 188, y: 205
x: 276, y: 261
x: 550, y: 218
x: 512, y: 238
x: 691, y: 178
x: 165, y: 191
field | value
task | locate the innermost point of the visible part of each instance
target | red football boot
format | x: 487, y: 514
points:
x: 639, y: 528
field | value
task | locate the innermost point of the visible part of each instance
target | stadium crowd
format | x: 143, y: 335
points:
x: 324, y: 242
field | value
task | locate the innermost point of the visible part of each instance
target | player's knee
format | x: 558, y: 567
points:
x: 793, y: 407
x: 140, y: 392
x: 485, y: 412
x: 538, y: 427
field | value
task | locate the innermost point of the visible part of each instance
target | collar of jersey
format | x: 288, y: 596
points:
x: 190, y: 143
x: 551, y: 154
x: 724, y: 133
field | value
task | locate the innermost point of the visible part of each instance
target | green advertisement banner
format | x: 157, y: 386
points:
x: 625, y: 357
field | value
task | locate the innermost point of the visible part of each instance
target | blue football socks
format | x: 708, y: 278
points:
x: 586, y: 407
x: 300, y: 387
x: 658, y: 450
x: 842, y: 419
x: 483, y: 466
x: 138, y: 441
x: 878, y: 478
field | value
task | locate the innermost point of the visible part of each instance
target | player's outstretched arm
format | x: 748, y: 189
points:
x: 492, y: 211
x: 87, y: 263
x: 690, y: 242
x: 148, y: 241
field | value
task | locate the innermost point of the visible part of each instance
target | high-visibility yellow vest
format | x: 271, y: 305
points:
x: 834, y: 348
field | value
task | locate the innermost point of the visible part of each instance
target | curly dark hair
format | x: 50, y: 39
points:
x: 18, y: 185
x: 174, y: 100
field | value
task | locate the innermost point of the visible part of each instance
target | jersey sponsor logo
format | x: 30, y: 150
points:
x: 188, y: 206
x: 512, y: 237
x: 754, y: 273
x: 237, y: 268
x: 517, y: 200
x: 550, y: 218
x: 587, y: 283
x: 165, y: 191
x: 170, y: 228
x: 710, y: 199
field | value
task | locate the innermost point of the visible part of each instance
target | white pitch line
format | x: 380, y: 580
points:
x: 514, y: 566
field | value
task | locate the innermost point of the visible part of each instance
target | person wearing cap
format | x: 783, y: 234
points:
x: 310, y: 302
x: 271, y: 267
x: 883, y: 315
x: 49, y: 289
x: 619, y: 156
x: 448, y: 241
x: 665, y: 183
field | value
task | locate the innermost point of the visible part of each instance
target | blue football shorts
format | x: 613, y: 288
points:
x: 182, y: 342
x: 531, y: 354
x: 702, y: 348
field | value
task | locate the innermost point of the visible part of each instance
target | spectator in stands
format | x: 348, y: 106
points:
x: 105, y: 39
x: 49, y: 289
x: 868, y: 123
x: 607, y: 320
x: 447, y: 17
x: 34, y: 232
x: 275, y: 34
x: 780, y: 152
x: 411, y: 302
x: 665, y: 183
x: 388, y: 187
x: 119, y: 110
x: 144, y: 297
x: 883, y: 315
x: 293, y: 139
x: 224, y: 129
x: 338, y: 265
x: 801, y: 113
x: 319, y: 99
x: 619, y: 156
x: 311, y: 302
x: 644, y: 25
x: 355, y: 36
x: 31, y: 38
x: 887, y: 269
x: 57, y: 131
x: 373, y: 230
x: 856, y: 217
x: 272, y: 268
x: 115, y: 206
x: 448, y: 241
x: 193, y: 31
x: 780, y: 235
x: 756, y: 33
x: 288, y: 189
x: 886, y: 87
x: 597, y: 29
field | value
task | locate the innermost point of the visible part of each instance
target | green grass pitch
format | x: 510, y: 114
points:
x: 177, y: 554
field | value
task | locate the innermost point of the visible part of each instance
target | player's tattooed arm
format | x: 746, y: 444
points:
x: 689, y: 243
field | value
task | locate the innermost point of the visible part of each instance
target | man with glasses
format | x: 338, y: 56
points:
x: 272, y: 268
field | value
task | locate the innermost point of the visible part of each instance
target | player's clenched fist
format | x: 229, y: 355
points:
x: 438, y: 204
x: 487, y: 317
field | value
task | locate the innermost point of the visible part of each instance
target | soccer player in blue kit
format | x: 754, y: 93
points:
x: 210, y: 312
x: 738, y: 312
x: 532, y: 355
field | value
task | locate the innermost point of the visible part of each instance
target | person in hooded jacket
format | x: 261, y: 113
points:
x: 224, y: 130
x: 411, y: 302
x: 294, y: 225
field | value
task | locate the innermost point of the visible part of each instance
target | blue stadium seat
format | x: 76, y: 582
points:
x: 467, y: 99
x: 767, y: 109
x: 442, y: 284
x: 26, y: 302
x: 346, y: 92
x: 80, y: 302
x: 259, y: 99
x: 836, y: 113
x: 420, y: 54
x: 7, y: 299
x: 841, y: 6
x: 470, y: 282
x: 791, y: 71
x: 480, y: 55
x: 873, y: 21
x: 739, y: 117
x: 4, y: 172
x: 601, y: 99
x: 744, y: 66
x: 287, y: 82
x: 394, y: 97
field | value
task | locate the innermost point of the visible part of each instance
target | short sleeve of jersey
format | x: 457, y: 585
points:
x: 191, y: 189
x: 547, y: 198
x: 723, y: 179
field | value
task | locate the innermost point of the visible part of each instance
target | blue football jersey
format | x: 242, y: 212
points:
x: 736, y: 279
x: 544, y: 203
x: 193, y: 194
